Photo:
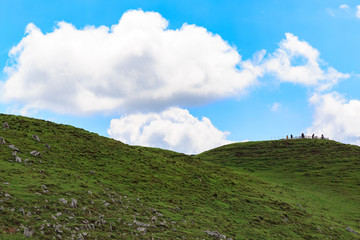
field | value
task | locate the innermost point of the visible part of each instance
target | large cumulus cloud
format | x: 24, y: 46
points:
x: 336, y: 117
x: 136, y: 64
x: 174, y: 129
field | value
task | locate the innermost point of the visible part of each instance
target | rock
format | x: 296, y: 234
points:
x: 73, y: 203
x: 92, y: 172
x: 5, y: 125
x: 22, y: 210
x: 319, y: 229
x: 63, y: 200
x: 351, y: 230
x: 106, y: 204
x: 36, y: 137
x: 89, y: 192
x: 2, y: 140
x: 35, y: 153
x: 6, y: 183
x: 140, y: 224
x: 215, y: 234
x: 45, y: 190
x: 142, y: 229
x: 47, y: 146
x: 28, y: 232
x: 7, y: 195
x: 17, y: 159
x: 13, y: 148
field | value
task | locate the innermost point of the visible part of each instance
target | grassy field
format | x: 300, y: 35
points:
x: 84, y: 186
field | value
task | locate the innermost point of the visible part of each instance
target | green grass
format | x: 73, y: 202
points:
x: 260, y: 190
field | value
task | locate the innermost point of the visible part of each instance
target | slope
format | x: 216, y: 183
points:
x: 67, y: 183
x: 321, y: 176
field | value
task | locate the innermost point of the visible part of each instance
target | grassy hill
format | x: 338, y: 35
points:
x: 78, y: 185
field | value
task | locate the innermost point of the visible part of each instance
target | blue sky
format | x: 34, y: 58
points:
x: 307, y: 81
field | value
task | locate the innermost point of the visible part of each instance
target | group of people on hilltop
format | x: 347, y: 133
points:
x: 303, y: 136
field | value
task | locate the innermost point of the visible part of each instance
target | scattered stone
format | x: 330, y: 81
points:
x: 318, y: 228
x: 63, y: 200
x: 215, y: 234
x: 351, y: 230
x: 13, y: 148
x: 106, y: 204
x: 89, y: 192
x: 17, y: 159
x: 35, y: 153
x: 22, y: 210
x: 285, y: 219
x: 2, y: 208
x: 47, y: 146
x: 5, y: 125
x: 6, y: 183
x: 142, y: 229
x: 2, y: 140
x: 140, y: 224
x: 36, y: 137
x: 73, y: 203
x: 28, y: 232
x: 92, y: 172
x: 7, y: 195
x: 45, y: 190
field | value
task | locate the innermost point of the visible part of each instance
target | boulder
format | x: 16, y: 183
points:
x: 63, y: 200
x: 35, y: 153
x: 73, y: 203
x: 215, y: 234
x: 2, y: 140
x: 13, y: 148
x: 28, y: 232
x: 36, y: 138
x: 5, y: 125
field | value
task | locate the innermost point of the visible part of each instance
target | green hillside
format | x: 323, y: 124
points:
x: 72, y: 184
x: 321, y: 176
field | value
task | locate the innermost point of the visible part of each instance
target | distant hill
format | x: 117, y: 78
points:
x: 61, y: 182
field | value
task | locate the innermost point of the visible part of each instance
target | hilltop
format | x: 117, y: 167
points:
x: 64, y: 182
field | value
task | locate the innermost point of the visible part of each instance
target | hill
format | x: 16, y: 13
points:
x: 321, y: 176
x: 57, y: 181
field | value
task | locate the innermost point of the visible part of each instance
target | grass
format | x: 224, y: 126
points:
x: 261, y: 190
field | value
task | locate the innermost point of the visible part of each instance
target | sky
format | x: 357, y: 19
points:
x: 184, y: 75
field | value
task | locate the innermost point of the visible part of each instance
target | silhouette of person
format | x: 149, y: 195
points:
x: 302, y: 135
x: 291, y: 136
x: 313, y: 136
x: 322, y: 136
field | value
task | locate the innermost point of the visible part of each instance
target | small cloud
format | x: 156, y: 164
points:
x: 330, y: 12
x: 275, y: 107
x: 344, y: 7
x: 358, y: 11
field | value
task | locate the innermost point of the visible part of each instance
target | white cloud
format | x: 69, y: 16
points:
x: 336, y: 118
x: 298, y: 62
x: 175, y: 129
x: 358, y: 11
x: 344, y: 7
x: 137, y: 64
x: 330, y: 12
x: 275, y: 107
